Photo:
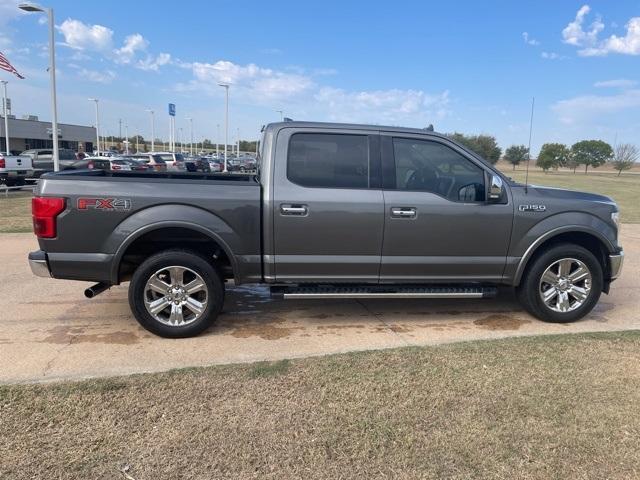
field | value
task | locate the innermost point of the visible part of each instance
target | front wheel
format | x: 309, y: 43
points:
x: 176, y: 294
x: 562, y: 284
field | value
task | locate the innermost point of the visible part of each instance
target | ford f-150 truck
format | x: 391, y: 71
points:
x: 334, y: 211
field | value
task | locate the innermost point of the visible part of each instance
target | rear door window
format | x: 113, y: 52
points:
x: 326, y: 160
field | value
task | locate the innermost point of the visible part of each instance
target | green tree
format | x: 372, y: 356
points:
x: 484, y: 145
x: 516, y: 154
x: 624, y: 157
x: 591, y: 153
x: 553, y: 155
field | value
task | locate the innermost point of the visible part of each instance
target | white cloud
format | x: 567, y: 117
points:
x: 617, y: 83
x: 81, y: 36
x: 103, y: 76
x: 551, y: 56
x: 132, y: 44
x: 586, y: 107
x: 529, y: 40
x: 154, y: 63
x: 592, y: 46
x: 383, y: 106
x: 574, y: 34
x: 261, y: 84
x: 627, y: 45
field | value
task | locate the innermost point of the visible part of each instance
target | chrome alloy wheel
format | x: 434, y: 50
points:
x: 176, y: 296
x: 565, y: 285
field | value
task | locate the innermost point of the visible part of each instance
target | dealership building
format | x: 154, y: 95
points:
x: 28, y: 132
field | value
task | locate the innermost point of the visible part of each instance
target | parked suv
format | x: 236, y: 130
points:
x: 153, y: 160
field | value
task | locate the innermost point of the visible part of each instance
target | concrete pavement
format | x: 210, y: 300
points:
x: 49, y: 331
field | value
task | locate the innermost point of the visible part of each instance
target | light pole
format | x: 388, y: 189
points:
x: 238, y: 144
x: 126, y: 134
x: 226, y: 123
x: 5, y: 112
x: 281, y: 114
x: 97, y: 125
x: 30, y: 7
x: 153, y: 131
x: 218, y: 141
x: 191, y: 134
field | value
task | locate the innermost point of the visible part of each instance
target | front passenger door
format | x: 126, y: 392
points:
x: 438, y: 225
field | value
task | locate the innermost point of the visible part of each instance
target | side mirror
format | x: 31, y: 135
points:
x: 495, y: 189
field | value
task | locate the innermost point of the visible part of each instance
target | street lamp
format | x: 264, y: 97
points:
x: 30, y: 7
x: 126, y: 134
x: 153, y: 131
x: 226, y: 123
x: 281, y: 114
x: 191, y: 134
x: 97, y: 125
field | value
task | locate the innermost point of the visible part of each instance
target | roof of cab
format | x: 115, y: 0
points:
x: 351, y: 126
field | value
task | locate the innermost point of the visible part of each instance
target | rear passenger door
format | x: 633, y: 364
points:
x: 439, y: 226
x: 328, y: 208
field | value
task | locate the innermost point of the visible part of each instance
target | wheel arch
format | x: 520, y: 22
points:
x: 588, y: 238
x: 159, y: 228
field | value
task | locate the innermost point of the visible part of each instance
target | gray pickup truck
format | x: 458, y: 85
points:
x: 335, y: 211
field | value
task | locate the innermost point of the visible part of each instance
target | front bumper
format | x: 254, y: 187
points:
x: 616, y: 262
x: 38, y: 264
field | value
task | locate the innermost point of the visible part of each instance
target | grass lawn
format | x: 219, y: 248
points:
x: 538, y: 407
x: 15, y: 212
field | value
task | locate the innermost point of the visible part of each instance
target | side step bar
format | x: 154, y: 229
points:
x: 382, y: 291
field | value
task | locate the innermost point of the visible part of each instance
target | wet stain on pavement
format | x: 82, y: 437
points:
x: 500, y: 322
x: 267, y: 328
x: 76, y: 334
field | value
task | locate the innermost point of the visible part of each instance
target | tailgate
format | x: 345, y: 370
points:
x: 17, y: 162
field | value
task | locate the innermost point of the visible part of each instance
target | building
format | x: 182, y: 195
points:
x: 28, y: 132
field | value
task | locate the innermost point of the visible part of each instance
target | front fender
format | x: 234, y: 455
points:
x: 550, y: 227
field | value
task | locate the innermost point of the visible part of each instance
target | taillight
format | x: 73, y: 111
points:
x: 3, y: 163
x: 90, y: 165
x: 44, y: 211
x: 115, y: 167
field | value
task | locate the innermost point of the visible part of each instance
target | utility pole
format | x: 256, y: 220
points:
x: 120, y: 128
x: 226, y: 124
x: 97, y: 125
x: 153, y: 131
x: 191, y: 135
x: 5, y: 112
x: 238, y: 144
x: 281, y: 114
x: 126, y: 134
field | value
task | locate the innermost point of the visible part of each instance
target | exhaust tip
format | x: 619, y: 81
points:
x: 96, y: 289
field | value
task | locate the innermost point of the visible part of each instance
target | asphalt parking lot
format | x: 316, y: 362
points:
x: 49, y: 331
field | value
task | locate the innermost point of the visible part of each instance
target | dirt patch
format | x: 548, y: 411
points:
x: 500, y: 322
x: 76, y: 334
x: 338, y: 327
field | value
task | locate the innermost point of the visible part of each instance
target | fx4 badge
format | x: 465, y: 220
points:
x: 532, y: 208
x: 104, y: 204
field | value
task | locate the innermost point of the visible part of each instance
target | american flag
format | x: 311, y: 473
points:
x: 5, y: 65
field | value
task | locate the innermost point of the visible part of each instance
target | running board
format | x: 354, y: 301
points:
x: 382, y: 291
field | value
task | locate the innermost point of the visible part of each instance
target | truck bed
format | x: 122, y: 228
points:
x: 105, y: 212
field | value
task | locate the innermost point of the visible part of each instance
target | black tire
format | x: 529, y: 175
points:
x: 188, y: 260
x: 528, y: 292
x: 10, y: 182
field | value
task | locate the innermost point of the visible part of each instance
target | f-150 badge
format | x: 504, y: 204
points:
x: 104, y: 204
x: 532, y: 208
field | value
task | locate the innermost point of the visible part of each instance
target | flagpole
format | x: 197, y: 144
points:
x: 6, y: 117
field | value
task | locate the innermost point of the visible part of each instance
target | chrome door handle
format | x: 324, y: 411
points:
x: 403, y: 212
x: 299, y: 210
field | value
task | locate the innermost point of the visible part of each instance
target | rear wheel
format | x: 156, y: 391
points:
x: 562, y: 284
x: 176, y: 294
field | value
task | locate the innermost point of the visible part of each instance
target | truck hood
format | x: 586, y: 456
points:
x: 562, y: 193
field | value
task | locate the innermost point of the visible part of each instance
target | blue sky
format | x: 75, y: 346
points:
x: 469, y: 66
